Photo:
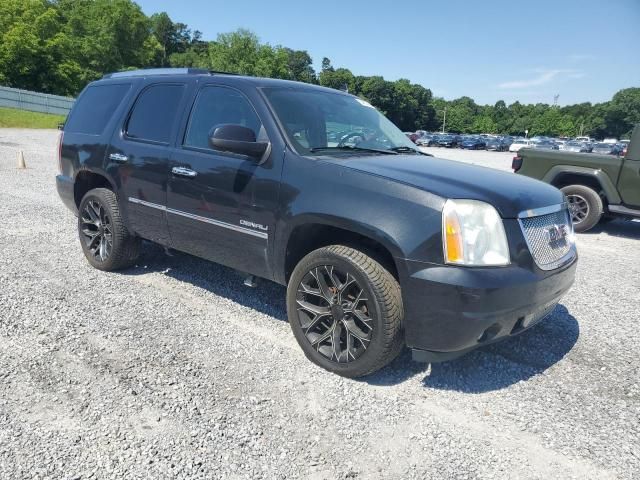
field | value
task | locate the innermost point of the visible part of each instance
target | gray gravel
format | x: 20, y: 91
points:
x: 173, y: 369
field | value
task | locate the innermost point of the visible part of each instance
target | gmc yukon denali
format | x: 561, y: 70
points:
x: 379, y: 245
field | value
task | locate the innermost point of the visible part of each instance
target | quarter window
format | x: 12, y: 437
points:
x: 95, y: 107
x: 155, y: 113
x: 216, y: 106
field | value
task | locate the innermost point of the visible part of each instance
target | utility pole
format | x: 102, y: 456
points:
x: 444, y: 120
x: 555, y: 99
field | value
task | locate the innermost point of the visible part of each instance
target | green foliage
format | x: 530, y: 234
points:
x: 58, y: 46
x: 12, y: 118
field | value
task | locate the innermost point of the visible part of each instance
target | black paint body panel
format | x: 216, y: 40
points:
x: 241, y: 213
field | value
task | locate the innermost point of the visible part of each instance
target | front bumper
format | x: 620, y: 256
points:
x: 451, y: 310
x: 64, y: 185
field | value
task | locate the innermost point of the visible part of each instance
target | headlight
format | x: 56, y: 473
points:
x: 473, y: 234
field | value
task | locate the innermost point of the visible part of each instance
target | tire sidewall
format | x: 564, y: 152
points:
x: 595, y: 206
x: 369, y: 357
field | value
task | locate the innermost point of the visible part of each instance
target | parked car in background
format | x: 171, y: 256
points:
x: 545, y: 145
x: 584, y: 139
x: 520, y: 143
x: 412, y: 136
x: 448, y: 140
x: 596, y: 186
x: 496, y: 144
x: 507, y: 140
x: 607, y: 148
x: 428, y: 140
x: 473, y: 143
x: 577, y: 147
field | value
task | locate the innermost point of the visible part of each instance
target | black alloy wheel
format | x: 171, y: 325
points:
x: 97, y: 230
x: 345, y: 310
x: 333, y: 312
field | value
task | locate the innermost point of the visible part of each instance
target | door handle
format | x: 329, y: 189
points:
x: 184, y: 172
x: 118, y: 157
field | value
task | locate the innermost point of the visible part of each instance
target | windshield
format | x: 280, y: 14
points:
x: 314, y: 119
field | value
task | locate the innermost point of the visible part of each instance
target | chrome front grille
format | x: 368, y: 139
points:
x: 549, y: 238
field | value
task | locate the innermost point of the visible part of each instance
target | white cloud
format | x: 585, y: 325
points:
x: 543, y: 76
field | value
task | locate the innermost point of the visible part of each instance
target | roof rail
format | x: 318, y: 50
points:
x: 157, y: 71
x: 220, y: 72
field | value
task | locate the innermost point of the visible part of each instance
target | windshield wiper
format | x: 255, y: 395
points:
x: 352, y: 148
x: 409, y: 149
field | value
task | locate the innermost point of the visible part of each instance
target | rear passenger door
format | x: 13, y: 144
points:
x: 221, y: 206
x: 138, y: 158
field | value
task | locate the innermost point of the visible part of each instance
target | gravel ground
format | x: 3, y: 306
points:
x: 174, y: 369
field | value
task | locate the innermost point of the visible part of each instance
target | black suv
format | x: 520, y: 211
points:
x: 379, y: 245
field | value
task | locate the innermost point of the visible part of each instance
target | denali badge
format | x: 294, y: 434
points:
x: 557, y: 235
x: 247, y: 223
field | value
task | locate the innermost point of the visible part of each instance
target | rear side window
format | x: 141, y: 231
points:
x: 217, y: 106
x: 95, y: 108
x: 154, y: 113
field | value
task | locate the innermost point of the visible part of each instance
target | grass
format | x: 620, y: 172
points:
x: 13, y: 118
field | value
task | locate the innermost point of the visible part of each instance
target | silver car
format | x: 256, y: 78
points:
x: 580, y: 147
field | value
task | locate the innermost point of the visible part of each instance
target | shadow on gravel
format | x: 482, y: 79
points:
x: 513, y: 360
x: 268, y: 297
x: 617, y: 228
x: 495, y: 366
x: 490, y: 368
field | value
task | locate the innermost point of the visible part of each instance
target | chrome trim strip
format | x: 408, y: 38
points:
x: 210, y: 221
x: 148, y: 204
x: 536, y: 212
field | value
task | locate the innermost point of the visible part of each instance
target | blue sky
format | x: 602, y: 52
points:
x: 582, y: 50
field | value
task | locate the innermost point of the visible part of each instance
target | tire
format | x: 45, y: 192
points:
x: 380, y: 303
x: 99, y: 220
x: 585, y: 206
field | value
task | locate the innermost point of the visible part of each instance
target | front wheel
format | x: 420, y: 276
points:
x: 345, y: 310
x: 585, y: 206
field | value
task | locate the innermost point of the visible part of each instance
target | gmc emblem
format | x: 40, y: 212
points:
x: 557, y: 234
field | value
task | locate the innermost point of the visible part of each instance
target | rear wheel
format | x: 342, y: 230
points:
x: 345, y: 310
x: 105, y: 241
x: 585, y: 206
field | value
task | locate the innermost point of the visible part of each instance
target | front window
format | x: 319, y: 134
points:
x: 325, y: 122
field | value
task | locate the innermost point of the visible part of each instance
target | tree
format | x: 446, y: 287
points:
x: 340, y: 79
x: 300, y: 66
x: 172, y: 37
x: 326, y: 65
x: 58, y: 46
x: 34, y: 49
x: 107, y: 36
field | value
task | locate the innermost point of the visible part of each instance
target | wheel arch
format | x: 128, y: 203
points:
x: 86, y: 180
x: 563, y: 175
x: 308, y: 234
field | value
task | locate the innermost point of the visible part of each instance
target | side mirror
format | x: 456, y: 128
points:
x: 237, y: 139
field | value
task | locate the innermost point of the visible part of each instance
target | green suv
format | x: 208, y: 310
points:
x: 598, y: 187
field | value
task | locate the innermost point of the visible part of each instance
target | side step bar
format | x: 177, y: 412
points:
x: 624, y: 210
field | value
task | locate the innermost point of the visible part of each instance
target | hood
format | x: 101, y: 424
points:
x: 509, y: 193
